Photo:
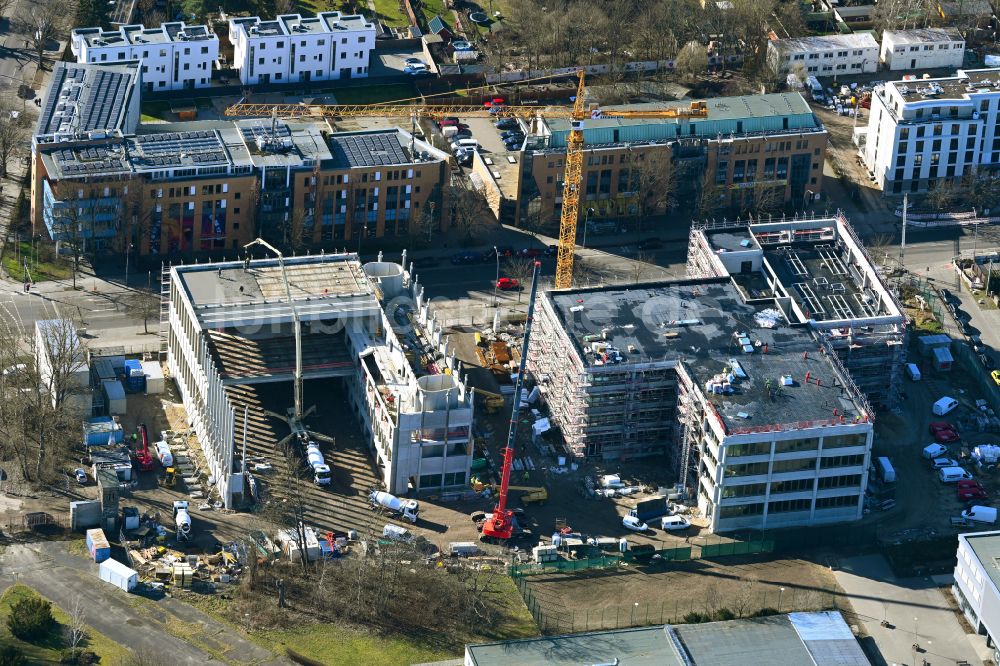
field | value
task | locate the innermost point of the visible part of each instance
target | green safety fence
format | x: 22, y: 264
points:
x: 737, y: 548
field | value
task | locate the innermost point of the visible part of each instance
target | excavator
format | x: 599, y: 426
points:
x: 578, y: 115
x: 532, y: 494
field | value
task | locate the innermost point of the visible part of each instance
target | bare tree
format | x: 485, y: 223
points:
x: 711, y: 199
x: 73, y: 220
x: 76, y: 628
x: 43, y: 22
x: 13, y: 133
x: 942, y: 196
x: 743, y: 601
x: 470, y: 212
x: 520, y: 269
x: 692, y: 61
x: 641, y: 265
x: 654, y: 183
x: 142, y: 304
x: 297, y: 230
x: 5, y: 5
x: 427, y: 223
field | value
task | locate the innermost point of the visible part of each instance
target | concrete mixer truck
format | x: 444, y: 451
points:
x: 314, y: 458
x: 182, y: 519
x: 406, y: 508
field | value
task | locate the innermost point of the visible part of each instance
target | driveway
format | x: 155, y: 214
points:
x: 916, y: 610
x: 132, y: 621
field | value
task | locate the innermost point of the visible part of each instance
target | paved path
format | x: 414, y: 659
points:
x: 915, y: 608
x: 137, y: 623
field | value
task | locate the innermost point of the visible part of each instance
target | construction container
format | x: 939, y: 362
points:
x: 135, y: 379
x: 114, y: 396
x: 182, y: 574
x: 942, y: 359
x: 926, y: 343
x: 97, y: 545
x: 102, y: 431
x: 84, y: 514
x: 119, y: 575
x: 103, y: 369
x: 153, y: 372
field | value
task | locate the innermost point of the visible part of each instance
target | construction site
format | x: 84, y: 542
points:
x: 815, y: 272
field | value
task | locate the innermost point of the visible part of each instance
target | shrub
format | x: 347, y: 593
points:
x: 725, y: 614
x: 30, y: 618
x: 764, y: 612
x: 78, y: 657
x: 694, y: 617
x: 10, y: 655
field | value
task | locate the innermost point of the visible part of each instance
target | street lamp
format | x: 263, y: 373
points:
x: 781, y: 591
x: 496, y: 255
x: 128, y: 251
x: 586, y: 223
x: 634, y: 606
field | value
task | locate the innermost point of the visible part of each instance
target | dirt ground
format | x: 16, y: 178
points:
x: 593, y: 599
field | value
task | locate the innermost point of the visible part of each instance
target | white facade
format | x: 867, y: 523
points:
x: 976, y: 584
x: 921, y: 132
x: 924, y: 48
x: 293, y: 49
x: 173, y: 56
x: 828, y: 55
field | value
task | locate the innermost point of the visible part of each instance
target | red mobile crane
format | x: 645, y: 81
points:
x: 142, y: 454
x: 500, y: 525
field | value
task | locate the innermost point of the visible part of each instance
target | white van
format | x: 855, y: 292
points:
x: 944, y: 405
x: 932, y: 451
x: 673, y: 523
x: 471, y: 144
x: 981, y: 514
x: 913, y: 372
x: 953, y: 474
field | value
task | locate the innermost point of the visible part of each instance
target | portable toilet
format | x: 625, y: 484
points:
x: 134, y: 376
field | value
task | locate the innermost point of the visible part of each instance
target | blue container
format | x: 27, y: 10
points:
x: 97, y: 545
x: 133, y: 368
x: 97, y: 431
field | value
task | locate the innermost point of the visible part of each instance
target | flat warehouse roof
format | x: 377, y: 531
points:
x: 986, y: 546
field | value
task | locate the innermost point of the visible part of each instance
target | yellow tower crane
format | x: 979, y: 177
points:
x: 578, y: 114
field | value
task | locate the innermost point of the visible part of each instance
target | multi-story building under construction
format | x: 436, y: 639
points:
x: 768, y: 428
x: 817, y: 273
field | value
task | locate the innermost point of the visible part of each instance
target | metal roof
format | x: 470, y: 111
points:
x: 922, y: 36
x: 858, y: 40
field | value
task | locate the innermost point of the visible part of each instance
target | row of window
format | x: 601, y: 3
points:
x: 262, y: 45
x: 795, y: 465
x: 788, y: 506
x: 827, y: 55
x: 435, y: 480
x: 145, y: 55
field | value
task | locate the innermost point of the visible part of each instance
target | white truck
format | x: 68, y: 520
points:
x: 406, y: 508
x: 314, y: 458
x: 182, y: 519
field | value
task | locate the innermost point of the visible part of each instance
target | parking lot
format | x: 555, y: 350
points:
x: 392, y: 61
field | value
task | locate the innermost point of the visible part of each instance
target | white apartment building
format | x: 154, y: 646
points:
x: 293, y: 49
x: 827, y: 55
x: 174, y: 56
x: 920, y: 132
x: 924, y: 48
x: 977, y: 584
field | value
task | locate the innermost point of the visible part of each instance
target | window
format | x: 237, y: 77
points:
x: 204, y: 49
x: 746, y: 470
x: 748, y: 490
x: 281, y: 45
x: 810, y: 444
x: 792, y: 486
x: 430, y: 480
x: 836, y: 502
x: 721, y: 172
x: 754, y: 449
x: 840, y: 441
x: 454, y: 479
x: 798, y: 465
x: 842, y: 461
x: 741, y: 510
x: 850, y: 480
x: 786, y: 506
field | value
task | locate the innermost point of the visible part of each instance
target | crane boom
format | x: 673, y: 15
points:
x: 501, y: 523
x: 295, y: 322
x: 576, y: 114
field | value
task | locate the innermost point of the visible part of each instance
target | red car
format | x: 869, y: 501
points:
x: 507, y: 284
x: 965, y: 484
x: 530, y: 253
x: 966, y: 494
x: 944, y: 432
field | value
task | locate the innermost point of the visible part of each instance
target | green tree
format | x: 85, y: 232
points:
x: 92, y: 13
x: 10, y: 655
x: 31, y: 618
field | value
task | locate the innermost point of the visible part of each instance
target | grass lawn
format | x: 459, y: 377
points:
x: 335, y: 645
x: 389, y: 13
x: 374, y: 94
x: 13, y: 264
x: 47, y: 650
x: 155, y: 111
x: 432, y: 8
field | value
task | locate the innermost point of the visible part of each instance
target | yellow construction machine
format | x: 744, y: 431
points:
x: 532, y: 494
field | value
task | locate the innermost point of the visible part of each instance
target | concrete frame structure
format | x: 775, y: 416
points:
x: 928, y: 131
x: 818, y: 274
x: 173, y: 56
x: 296, y: 49
x: 228, y: 325
x: 976, y: 587
x: 824, y: 55
x: 770, y: 432
x: 924, y: 48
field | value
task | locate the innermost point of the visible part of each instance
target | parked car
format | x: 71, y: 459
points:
x: 944, y: 432
x: 634, y: 524
x: 967, y: 494
x: 414, y: 61
x: 529, y: 253
x: 415, y: 69
x: 935, y: 450
x: 466, y: 257
x: 941, y: 463
x: 996, y: 377
x: 967, y: 484
x: 946, y: 295
x: 511, y: 133
x: 81, y: 476
x: 507, y: 284
x: 448, y: 122
x: 675, y: 523
x: 506, y: 124
x: 650, y: 244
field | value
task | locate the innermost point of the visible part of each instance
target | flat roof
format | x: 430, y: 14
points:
x: 705, y: 325
x: 366, y: 149
x: 858, y: 40
x: 820, y: 639
x: 923, y: 36
x: 296, y: 24
x: 83, y: 98
x: 986, y: 546
x: 732, y: 240
x: 963, y: 86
